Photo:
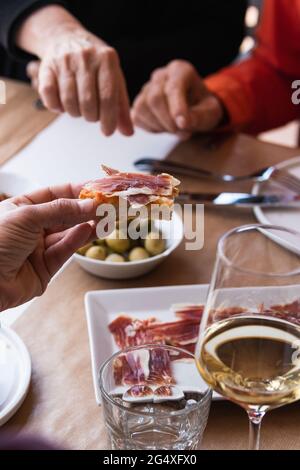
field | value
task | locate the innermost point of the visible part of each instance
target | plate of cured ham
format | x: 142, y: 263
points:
x: 118, y: 319
x: 171, y: 316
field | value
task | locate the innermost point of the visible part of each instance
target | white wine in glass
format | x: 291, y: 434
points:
x: 249, y: 343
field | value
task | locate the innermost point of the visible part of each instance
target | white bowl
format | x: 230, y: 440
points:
x: 130, y: 269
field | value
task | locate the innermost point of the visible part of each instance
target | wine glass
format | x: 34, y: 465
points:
x: 249, y: 341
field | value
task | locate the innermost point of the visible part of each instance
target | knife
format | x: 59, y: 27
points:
x: 240, y: 199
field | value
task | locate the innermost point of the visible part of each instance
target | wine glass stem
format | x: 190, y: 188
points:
x: 255, y: 419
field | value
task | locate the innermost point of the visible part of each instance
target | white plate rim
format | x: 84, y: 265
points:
x: 18, y: 399
x: 263, y: 219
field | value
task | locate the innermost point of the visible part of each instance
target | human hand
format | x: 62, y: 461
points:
x: 176, y: 100
x: 37, y: 236
x: 32, y: 71
x: 77, y: 72
x: 81, y: 75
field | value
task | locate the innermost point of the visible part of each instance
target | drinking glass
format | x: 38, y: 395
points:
x: 154, y: 398
x: 249, y: 339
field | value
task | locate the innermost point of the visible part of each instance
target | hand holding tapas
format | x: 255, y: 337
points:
x: 37, y: 237
x: 137, y: 189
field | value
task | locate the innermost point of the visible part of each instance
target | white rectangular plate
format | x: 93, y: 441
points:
x: 102, y: 307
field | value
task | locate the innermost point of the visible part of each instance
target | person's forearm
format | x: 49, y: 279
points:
x: 38, y: 29
x: 257, y: 93
x: 256, y: 96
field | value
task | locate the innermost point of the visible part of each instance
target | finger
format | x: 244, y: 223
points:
x: 56, y: 255
x: 108, y: 93
x: 48, y: 89
x: 125, y: 125
x: 55, y: 229
x: 32, y: 71
x: 207, y: 115
x: 158, y: 105
x: 61, y: 212
x: 59, y: 234
x: 35, y: 84
x: 32, y: 68
x: 157, y: 99
x: 88, y: 93
x: 68, y: 93
x: 143, y: 116
x: 146, y: 123
x: 181, y: 82
x: 177, y: 100
x: 51, y: 193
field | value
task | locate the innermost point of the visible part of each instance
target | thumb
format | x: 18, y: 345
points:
x: 62, y: 212
x: 206, y: 115
x: 58, y: 253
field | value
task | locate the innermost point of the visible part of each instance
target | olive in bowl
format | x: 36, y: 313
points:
x: 126, y: 258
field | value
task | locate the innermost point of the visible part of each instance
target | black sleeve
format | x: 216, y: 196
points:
x: 12, y: 13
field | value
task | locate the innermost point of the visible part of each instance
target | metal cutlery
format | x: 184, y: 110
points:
x: 240, y: 199
x: 282, y: 177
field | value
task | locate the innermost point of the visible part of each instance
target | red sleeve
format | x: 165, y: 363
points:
x: 257, y: 92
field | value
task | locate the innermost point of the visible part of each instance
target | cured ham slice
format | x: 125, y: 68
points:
x: 138, y: 391
x: 292, y: 308
x: 137, y: 189
x: 130, y: 332
x: 155, y: 368
x: 160, y: 367
x: 177, y: 333
x: 188, y: 311
x: 143, y: 367
x: 289, y: 312
x: 182, y: 333
x: 164, y: 390
x: 132, y: 368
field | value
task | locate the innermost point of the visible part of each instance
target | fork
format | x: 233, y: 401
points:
x: 282, y: 177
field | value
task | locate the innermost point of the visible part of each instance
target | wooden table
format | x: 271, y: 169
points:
x: 20, y: 119
x: 61, y: 403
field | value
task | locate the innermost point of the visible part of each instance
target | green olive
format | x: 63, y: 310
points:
x: 116, y: 243
x: 154, y: 245
x: 115, y: 258
x: 137, y: 254
x: 82, y: 251
x: 96, y: 252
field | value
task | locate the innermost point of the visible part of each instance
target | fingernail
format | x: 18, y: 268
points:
x: 181, y: 122
x: 87, y: 205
